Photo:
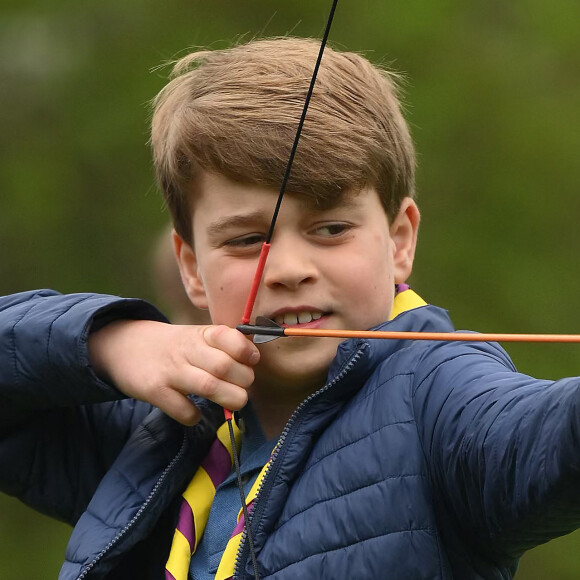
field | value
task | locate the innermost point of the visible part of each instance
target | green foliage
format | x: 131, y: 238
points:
x: 493, y: 96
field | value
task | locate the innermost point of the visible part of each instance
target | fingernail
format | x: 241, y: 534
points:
x: 254, y: 358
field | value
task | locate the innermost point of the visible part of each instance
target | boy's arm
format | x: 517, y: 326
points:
x: 58, y: 351
x: 503, y: 448
x: 57, y: 419
x: 60, y: 424
x: 44, y: 361
x: 165, y: 364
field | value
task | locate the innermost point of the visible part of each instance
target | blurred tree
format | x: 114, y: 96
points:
x: 493, y: 97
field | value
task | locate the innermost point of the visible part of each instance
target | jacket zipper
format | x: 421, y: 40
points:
x: 141, y: 511
x: 242, y: 547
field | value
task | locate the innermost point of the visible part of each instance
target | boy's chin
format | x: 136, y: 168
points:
x: 295, y: 364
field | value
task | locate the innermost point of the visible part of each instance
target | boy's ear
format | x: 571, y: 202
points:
x: 403, y: 233
x: 190, y: 275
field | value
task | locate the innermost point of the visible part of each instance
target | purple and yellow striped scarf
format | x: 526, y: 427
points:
x: 196, y: 505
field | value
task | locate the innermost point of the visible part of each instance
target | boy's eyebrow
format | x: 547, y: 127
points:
x: 236, y: 220
x: 259, y: 217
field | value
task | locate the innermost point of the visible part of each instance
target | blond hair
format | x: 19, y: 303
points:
x: 235, y: 112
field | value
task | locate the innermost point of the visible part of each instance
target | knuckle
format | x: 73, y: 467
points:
x: 215, y: 332
x: 151, y: 390
x: 251, y: 377
x: 188, y: 414
x: 249, y: 352
x: 222, y: 366
x: 208, y: 386
x: 160, y: 395
x: 247, y: 379
x: 240, y: 401
x: 243, y: 350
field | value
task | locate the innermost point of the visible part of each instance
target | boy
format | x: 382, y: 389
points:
x: 394, y: 459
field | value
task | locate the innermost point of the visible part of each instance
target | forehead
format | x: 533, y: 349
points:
x: 219, y: 196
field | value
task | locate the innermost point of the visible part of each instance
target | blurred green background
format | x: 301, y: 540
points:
x: 493, y: 98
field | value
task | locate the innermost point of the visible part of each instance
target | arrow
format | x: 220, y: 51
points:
x: 266, y: 330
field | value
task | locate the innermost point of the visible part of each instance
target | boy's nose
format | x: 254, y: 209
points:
x: 289, y: 265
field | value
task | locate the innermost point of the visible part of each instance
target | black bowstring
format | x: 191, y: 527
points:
x: 301, y: 122
x: 243, y: 500
x: 268, y: 239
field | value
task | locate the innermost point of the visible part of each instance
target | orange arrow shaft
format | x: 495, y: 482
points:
x: 439, y: 336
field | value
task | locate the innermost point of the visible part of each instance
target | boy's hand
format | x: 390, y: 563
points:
x: 163, y: 363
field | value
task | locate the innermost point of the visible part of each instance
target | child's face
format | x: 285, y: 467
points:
x: 326, y: 269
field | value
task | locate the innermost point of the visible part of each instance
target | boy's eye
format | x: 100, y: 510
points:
x: 246, y: 241
x: 332, y: 230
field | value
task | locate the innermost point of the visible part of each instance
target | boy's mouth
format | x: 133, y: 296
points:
x: 298, y: 317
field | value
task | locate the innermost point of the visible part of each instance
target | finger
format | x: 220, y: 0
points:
x: 204, y: 384
x: 177, y: 406
x: 223, y: 367
x: 232, y: 342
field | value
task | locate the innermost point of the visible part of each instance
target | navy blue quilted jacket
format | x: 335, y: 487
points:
x: 417, y: 460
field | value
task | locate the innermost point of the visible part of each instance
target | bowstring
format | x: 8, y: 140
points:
x: 266, y: 245
x: 262, y: 262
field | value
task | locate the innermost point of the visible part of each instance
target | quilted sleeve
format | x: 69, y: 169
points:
x: 60, y: 426
x: 503, y: 448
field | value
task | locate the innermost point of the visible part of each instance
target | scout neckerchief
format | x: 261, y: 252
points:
x: 214, y: 469
x: 196, y: 505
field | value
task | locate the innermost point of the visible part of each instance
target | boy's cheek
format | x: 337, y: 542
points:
x: 226, y: 300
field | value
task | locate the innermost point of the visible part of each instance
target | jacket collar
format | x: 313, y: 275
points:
x: 417, y: 317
